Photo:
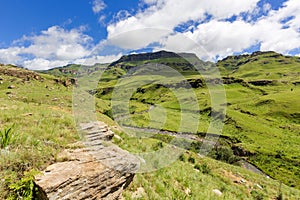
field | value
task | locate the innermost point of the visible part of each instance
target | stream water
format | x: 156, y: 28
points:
x: 190, y: 136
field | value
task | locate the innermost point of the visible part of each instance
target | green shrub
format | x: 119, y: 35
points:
x: 23, y: 188
x: 108, y: 113
x: 182, y: 158
x: 224, y: 153
x: 191, y: 160
x: 197, y: 166
x: 205, y: 169
x: 157, y: 146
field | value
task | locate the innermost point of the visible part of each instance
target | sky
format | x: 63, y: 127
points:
x: 43, y: 34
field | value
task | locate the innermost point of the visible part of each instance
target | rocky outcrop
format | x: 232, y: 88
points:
x: 66, y: 82
x: 150, y: 56
x: 262, y: 82
x: 24, y: 74
x: 98, y: 170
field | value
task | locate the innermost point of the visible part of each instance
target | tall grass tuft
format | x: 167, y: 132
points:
x: 6, y: 137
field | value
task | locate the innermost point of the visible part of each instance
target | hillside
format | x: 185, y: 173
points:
x: 261, y: 124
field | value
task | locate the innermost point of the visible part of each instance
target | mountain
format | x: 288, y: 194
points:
x: 261, y: 124
x: 262, y: 97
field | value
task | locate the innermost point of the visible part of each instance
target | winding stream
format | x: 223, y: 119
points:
x: 190, y: 136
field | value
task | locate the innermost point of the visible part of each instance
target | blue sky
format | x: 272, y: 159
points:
x: 44, y: 34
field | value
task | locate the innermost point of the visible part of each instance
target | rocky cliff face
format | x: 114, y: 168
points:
x: 99, y: 170
x: 152, y: 56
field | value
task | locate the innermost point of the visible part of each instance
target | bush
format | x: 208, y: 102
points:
x: 197, y: 166
x: 108, y: 113
x: 182, y: 157
x: 191, y: 160
x: 225, y: 154
x: 205, y: 169
x: 24, y: 188
x: 157, y: 146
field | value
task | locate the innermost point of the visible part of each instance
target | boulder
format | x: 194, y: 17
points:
x: 96, y: 170
x: 217, y: 192
x: 11, y: 87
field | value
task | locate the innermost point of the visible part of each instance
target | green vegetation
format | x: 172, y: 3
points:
x: 6, y: 137
x: 261, y: 125
x: 262, y: 116
x: 40, y: 112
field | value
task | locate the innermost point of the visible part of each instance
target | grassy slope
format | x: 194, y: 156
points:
x: 265, y: 119
x: 41, y: 112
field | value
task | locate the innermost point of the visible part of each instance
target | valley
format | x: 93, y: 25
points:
x: 164, y: 100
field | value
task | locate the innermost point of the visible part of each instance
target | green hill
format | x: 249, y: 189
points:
x: 261, y: 123
x: 262, y: 98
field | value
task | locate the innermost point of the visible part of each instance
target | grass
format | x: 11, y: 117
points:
x: 42, y: 127
x: 263, y: 120
x: 6, y: 137
x: 260, y: 119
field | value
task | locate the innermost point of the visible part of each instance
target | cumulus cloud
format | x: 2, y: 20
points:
x: 59, y: 44
x: 51, y: 48
x: 10, y: 55
x: 167, y: 14
x: 213, y: 26
x: 43, y: 64
x: 98, y: 59
x: 98, y: 6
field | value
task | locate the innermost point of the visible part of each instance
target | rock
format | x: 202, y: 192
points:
x: 258, y: 186
x: 217, y: 192
x: 11, y: 87
x: 242, y: 181
x: 117, y: 137
x: 138, y: 193
x: 27, y: 114
x: 262, y: 82
x: 187, y: 191
x: 83, y: 178
x: 91, y: 171
x: 24, y: 74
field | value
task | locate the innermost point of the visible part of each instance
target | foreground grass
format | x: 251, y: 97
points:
x: 42, y: 123
x: 193, y: 177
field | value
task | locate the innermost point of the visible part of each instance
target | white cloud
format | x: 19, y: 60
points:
x: 10, y: 55
x: 98, y: 59
x: 98, y: 6
x: 136, y: 39
x: 43, y: 64
x: 101, y: 20
x: 51, y: 48
x: 167, y: 14
x: 278, y: 30
x: 266, y: 7
x: 59, y: 44
x: 214, y: 38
